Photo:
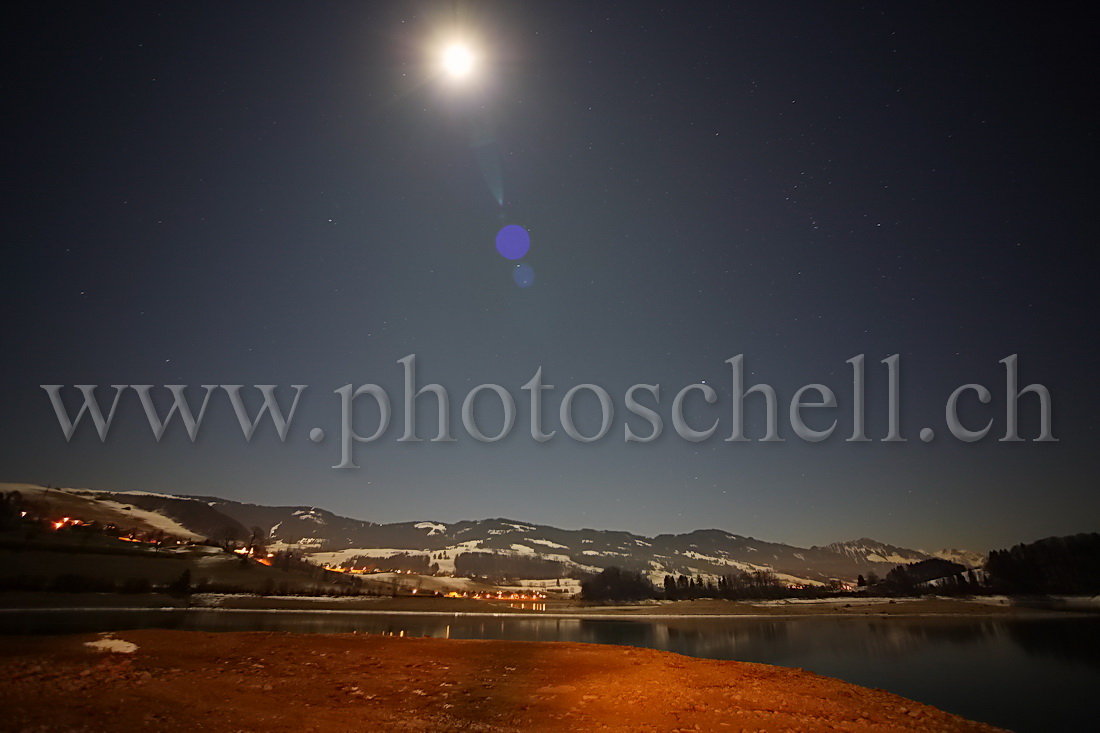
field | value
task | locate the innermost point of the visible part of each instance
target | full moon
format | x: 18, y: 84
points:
x: 458, y: 61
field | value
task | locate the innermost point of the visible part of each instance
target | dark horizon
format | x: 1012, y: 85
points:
x: 269, y: 193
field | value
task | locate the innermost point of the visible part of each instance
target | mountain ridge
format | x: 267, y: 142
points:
x: 511, y: 545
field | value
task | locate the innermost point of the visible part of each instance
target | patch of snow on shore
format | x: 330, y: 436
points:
x: 108, y: 644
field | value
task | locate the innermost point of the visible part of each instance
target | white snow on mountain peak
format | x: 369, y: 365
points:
x: 969, y: 558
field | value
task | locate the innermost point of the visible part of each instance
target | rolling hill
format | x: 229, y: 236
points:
x: 510, y: 547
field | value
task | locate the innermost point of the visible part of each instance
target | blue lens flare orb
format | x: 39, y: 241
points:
x: 513, y: 241
x: 523, y: 275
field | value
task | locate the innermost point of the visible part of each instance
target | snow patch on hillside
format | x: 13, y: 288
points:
x: 153, y: 519
x: 433, y: 527
x: 565, y: 559
x: 158, y: 521
x: 561, y: 587
x: 548, y: 543
x: 795, y: 580
x: 604, y: 553
x: 892, y: 558
x: 128, y: 493
x: 310, y: 514
x: 339, y: 557
x: 693, y: 555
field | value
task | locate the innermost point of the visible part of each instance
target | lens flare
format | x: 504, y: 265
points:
x: 513, y: 241
x: 524, y: 275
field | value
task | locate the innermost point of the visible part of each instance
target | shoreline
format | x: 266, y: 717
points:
x: 1022, y: 615
x: 268, y: 682
x: 26, y: 602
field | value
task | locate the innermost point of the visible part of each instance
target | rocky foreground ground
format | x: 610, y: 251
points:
x: 195, y: 681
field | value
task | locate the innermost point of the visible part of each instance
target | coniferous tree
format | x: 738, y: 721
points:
x: 1053, y: 565
x: 616, y: 584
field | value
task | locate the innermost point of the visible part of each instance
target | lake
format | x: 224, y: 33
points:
x: 1037, y: 674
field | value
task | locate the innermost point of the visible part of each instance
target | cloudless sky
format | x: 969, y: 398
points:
x: 296, y: 193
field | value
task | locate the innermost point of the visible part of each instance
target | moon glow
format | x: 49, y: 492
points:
x: 458, y: 61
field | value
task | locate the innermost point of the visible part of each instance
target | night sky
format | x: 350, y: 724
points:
x: 298, y: 193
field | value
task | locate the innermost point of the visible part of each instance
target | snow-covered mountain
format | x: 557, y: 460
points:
x: 521, y: 549
x: 969, y: 558
x: 546, y: 550
x: 865, y: 551
x: 873, y: 552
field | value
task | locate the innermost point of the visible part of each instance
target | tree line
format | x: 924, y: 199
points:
x: 617, y: 584
x: 1055, y: 565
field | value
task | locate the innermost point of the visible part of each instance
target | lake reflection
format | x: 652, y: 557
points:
x: 1027, y: 675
